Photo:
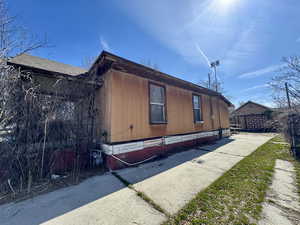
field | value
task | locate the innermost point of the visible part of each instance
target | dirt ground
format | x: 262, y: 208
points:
x: 47, y: 186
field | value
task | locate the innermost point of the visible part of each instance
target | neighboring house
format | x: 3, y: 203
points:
x: 141, y: 112
x: 251, y: 116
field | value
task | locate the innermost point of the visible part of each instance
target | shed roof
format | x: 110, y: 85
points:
x: 46, y: 64
x: 250, y: 102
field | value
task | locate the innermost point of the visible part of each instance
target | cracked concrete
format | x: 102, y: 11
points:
x: 170, y: 183
x: 172, y: 188
x: 282, y: 201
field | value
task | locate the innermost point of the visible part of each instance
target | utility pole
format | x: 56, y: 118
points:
x: 209, y: 85
x: 290, y: 121
x: 214, y: 66
x: 216, y: 80
x: 287, y: 95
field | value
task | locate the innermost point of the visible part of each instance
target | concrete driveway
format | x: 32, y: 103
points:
x: 170, y: 183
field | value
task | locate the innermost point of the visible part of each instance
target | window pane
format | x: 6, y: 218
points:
x: 197, y: 115
x: 196, y: 101
x: 157, y: 113
x: 157, y: 94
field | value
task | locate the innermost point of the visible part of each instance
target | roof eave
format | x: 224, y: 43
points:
x: 44, y: 71
x: 110, y: 57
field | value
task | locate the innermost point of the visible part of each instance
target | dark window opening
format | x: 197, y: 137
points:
x: 197, y: 108
x: 157, y: 104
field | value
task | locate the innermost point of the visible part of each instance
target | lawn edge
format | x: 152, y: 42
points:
x: 190, y: 207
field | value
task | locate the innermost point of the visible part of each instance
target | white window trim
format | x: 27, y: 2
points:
x: 158, y: 103
x: 199, y: 108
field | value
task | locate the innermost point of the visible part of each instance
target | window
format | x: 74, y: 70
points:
x: 197, y: 108
x: 157, y: 104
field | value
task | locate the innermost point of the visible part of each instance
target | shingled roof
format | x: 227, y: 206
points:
x: 46, y: 64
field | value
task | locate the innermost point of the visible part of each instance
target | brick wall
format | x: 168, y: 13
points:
x: 250, y: 122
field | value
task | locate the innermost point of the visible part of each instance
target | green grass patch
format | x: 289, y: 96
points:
x: 236, y: 197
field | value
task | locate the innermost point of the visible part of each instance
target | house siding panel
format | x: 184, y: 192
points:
x: 103, y: 107
x: 130, y: 110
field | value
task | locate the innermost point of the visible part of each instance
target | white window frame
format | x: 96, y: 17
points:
x: 199, y: 108
x: 157, y: 103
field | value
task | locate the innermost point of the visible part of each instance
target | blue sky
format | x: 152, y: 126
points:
x: 248, y: 37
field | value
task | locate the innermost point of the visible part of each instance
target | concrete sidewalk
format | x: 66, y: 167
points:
x: 281, y: 205
x: 175, y: 187
x: 170, y: 183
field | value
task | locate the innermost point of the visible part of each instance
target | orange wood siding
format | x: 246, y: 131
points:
x: 224, y: 114
x: 128, y: 110
x: 103, y: 106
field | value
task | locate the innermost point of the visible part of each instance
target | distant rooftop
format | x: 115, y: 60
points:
x: 46, y: 64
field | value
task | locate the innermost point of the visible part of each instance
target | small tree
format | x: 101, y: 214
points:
x: 29, y: 119
x: 213, y: 85
x: 290, y: 73
x: 287, y: 83
x: 37, y: 121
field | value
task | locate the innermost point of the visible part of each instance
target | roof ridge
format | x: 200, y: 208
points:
x: 249, y: 101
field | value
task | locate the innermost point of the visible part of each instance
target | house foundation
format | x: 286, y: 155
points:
x: 131, y: 154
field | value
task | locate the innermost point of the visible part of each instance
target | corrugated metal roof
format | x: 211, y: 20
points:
x: 46, y: 64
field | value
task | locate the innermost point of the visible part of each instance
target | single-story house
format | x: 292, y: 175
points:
x: 140, y: 112
x: 251, y: 116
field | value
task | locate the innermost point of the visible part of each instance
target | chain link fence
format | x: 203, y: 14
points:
x: 293, y: 133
